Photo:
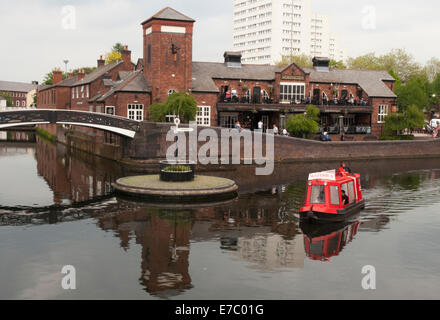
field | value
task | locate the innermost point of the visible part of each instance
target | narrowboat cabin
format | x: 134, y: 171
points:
x: 332, y: 196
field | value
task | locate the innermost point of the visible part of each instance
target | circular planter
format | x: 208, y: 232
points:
x: 176, y: 176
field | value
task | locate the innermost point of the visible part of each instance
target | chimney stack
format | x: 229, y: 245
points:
x: 126, y: 56
x: 81, y: 74
x: 57, y: 76
x: 321, y: 64
x: 70, y: 75
x: 101, y: 62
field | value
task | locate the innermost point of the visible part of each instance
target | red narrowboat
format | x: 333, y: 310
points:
x: 332, y: 196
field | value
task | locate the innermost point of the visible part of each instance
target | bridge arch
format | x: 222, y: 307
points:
x: 114, y: 124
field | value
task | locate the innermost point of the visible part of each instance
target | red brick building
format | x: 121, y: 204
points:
x: 228, y: 91
x: 18, y: 91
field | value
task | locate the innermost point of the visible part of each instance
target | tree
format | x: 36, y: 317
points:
x: 368, y: 61
x: 412, y: 93
x: 180, y: 104
x: 337, y: 64
x: 432, y: 69
x: 402, y: 63
x: 112, y: 57
x: 413, y: 118
x: 302, y: 125
x: 301, y: 60
x: 398, y: 60
x: 394, y: 124
x: 118, y: 47
x: 115, y: 54
x: 8, y: 98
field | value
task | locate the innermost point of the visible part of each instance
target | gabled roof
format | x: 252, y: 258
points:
x: 169, y: 14
x: 205, y: 72
x: 16, y: 86
x: 372, y: 82
x: 65, y: 83
x: 130, y: 82
x: 96, y: 74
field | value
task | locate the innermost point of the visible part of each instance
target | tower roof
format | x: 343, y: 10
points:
x: 169, y: 14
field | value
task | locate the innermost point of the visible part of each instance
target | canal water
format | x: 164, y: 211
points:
x: 57, y: 209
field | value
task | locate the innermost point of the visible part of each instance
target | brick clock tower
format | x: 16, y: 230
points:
x: 168, y: 53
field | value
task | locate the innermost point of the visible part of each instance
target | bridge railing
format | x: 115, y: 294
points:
x: 91, y: 119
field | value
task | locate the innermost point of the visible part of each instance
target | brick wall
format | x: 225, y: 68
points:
x: 166, y: 71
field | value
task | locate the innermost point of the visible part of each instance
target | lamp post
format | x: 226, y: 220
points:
x: 66, y: 62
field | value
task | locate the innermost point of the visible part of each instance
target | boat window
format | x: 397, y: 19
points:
x: 316, y: 248
x: 318, y: 195
x: 334, y: 195
x: 351, y: 194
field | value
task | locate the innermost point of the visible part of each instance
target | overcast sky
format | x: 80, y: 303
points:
x: 34, y: 41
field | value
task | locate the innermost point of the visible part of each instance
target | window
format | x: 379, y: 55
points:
x: 292, y: 92
x: 110, y: 110
x: 87, y: 91
x: 149, y: 54
x: 383, y: 112
x: 23, y: 104
x: 77, y: 93
x: 204, y: 116
x: 228, y: 120
x: 82, y: 91
x: 317, y: 195
x: 73, y: 93
x: 349, y: 191
x: 334, y: 195
x: 136, y: 112
x: 170, y: 118
x: 17, y: 103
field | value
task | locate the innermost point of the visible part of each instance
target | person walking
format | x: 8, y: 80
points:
x: 276, y: 131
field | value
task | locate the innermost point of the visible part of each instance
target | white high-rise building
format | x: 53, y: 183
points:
x: 266, y: 30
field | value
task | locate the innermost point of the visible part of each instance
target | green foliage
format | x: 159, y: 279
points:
x: 411, y: 119
x: 181, y: 104
x: 118, y: 47
x: 301, y: 60
x: 8, y: 98
x: 112, y: 57
x: 313, y: 113
x: 415, y: 118
x: 301, y: 125
x: 398, y: 60
x: 177, y: 168
x: 414, y: 92
x: 337, y: 64
x: 45, y: 135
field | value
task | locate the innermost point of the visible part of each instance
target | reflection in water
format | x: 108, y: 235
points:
x: 260, y: 229
x: 74, y: 178
x: 322, y: 242
x: 165, y: 239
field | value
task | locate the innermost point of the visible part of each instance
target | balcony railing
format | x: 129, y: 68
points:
x: 352, y: 129
x: 265, y: 100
